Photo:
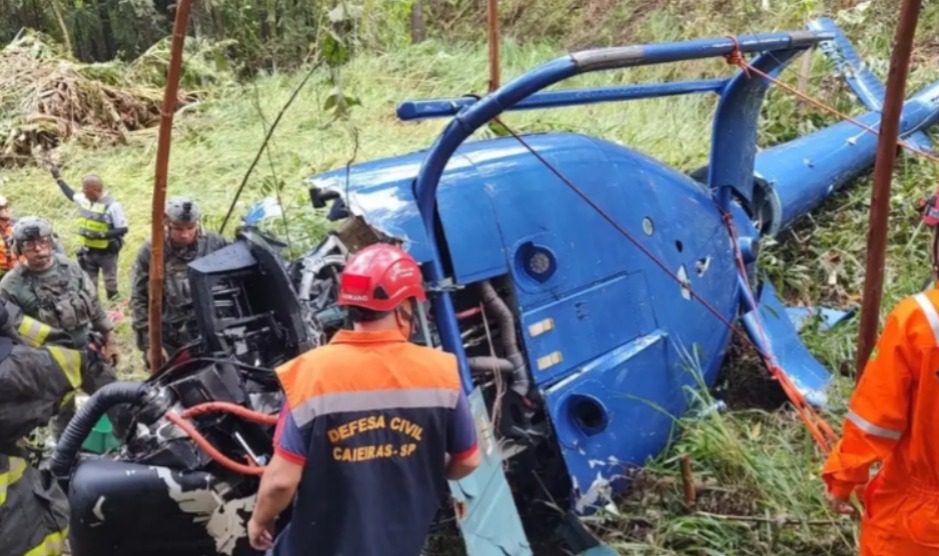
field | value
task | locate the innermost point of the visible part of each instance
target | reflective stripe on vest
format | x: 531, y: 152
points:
x: 70, y: 362
x: 93, y: 222
x: 930, y: 311
x: 871, y: 428
x: 33, y: 331
x: 10, y: 476
x: 52, y: 545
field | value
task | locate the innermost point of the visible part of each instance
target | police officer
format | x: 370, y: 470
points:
x: 50, y: 288
x: 34, y: 383
x: 186, y: 241
x: 102, y: 227
x: 7, y: 258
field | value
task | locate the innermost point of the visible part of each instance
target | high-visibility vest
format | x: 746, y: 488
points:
x: 93, y: 221
x: 7, y: 258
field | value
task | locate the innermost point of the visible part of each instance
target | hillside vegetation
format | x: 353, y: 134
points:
x: 756, y: 468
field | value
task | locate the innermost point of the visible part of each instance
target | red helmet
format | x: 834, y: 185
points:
x: 380, y: 277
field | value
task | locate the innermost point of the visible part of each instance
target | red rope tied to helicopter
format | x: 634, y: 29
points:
x: 821, y: 432
x: 736, y: 58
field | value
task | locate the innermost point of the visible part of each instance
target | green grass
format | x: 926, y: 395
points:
x: 754, y: 463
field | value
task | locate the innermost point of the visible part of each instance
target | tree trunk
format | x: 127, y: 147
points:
x: 418, y: 30
x: 107, y: 33
x: 64, y: 28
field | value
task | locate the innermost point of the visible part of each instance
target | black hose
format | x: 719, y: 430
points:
x: 500, y: 310
x: 80, y: 426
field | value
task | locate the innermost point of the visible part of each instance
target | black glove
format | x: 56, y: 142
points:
x: 54, y: 169
x: 96, y: 370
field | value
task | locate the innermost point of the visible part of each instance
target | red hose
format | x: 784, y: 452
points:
x: 211, y: 450
x: 227, y: 407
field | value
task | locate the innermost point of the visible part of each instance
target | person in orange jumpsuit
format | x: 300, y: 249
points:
x: 7, y: 258
x: 892, y: 420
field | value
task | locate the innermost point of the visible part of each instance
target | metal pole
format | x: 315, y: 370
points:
x: 883, y: 172
x: 170, y: 96
x: 493, y: 20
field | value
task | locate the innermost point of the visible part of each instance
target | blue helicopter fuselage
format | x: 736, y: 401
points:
x: 618, y: 314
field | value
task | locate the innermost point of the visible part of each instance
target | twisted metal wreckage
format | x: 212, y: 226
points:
x: 573, y: 278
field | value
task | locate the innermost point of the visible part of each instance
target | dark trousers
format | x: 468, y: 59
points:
x: 104, y: 260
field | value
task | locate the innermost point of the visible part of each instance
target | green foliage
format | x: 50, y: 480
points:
x: 205, y: 64
x: 252, y: 34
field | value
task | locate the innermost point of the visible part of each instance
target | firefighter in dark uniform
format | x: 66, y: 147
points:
x: 102, y: 227
x: 185, y: 242
x: 34, y: 384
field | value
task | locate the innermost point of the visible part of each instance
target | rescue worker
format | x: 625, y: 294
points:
x: 102, y: 227
x: 34, y: 382
x: 52, y: 289
x: 371, y: 428
x: 185, y: 242
x: 7, y: 258
x: 892, y: 417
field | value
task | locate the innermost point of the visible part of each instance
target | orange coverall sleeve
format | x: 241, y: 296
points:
x: 878, y: 411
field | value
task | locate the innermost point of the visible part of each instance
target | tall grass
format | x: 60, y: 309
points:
x: 758, y: 491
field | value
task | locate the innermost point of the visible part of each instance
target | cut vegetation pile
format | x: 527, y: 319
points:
x: 46, y: 98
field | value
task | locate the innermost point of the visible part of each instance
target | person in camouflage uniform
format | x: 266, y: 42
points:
x: 35, y: 382
x: 56, y: 292
x: 50, y: 288
x: 185, y: 242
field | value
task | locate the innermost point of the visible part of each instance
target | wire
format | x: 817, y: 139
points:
x: 819, y: 429
x: 267, y: 138
x: 736, y: 58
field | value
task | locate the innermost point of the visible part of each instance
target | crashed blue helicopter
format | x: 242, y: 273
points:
x: 574, y: 279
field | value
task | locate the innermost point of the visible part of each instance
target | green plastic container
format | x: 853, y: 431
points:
x: 101, y: 439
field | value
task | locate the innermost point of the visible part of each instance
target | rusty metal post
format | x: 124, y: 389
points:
x: 493, y: 20
x: 170, y: 96
x: 883, y: 172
